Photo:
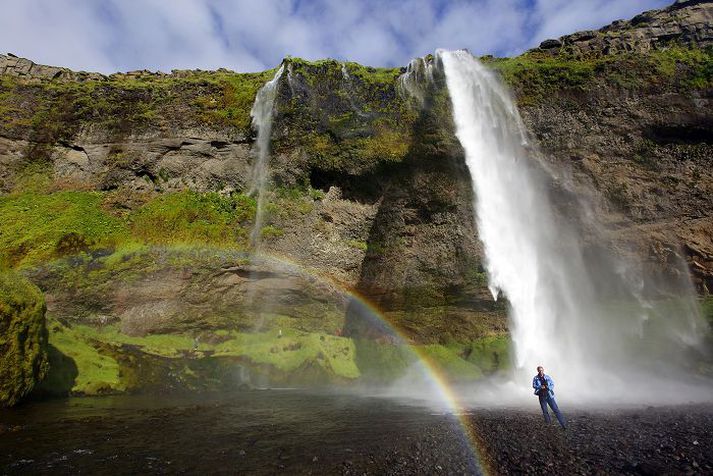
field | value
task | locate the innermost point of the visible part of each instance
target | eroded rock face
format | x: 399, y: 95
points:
x: 23, y: 337
x: 641, y: 159
x: 687, y: 22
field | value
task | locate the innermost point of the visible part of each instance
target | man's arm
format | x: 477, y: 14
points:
x: 550, y: 383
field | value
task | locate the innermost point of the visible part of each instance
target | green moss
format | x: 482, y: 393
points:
x: 707, y: 309
x: 536, y: 75
x: 23, y: 337
x: 97, y: 373
x: 191, y: 217
x: 122, y: 104
x: 39, y: 227
x: 360, y: 245
x: 450, y: 362
x: 34, y: 225
x: 351, y: 123
x: 270, y: 232
x: 490, y: 354
x: 383, y: 362
x: 286, y: 354
x: 232, y: 105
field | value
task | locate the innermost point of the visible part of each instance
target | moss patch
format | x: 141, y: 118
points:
x: 96, y: 372
x: 37, y: 227
x: 707, y: 309
x: 536, y: 75
x: 490, y: 354
x: 42, y: 226
x: 122, y: 104
x: 23, y: 337
x: 344, y: 116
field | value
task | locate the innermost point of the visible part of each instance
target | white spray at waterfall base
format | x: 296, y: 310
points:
x: 595, y: 346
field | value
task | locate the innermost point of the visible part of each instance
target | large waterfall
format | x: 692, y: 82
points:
x: 595, y: 344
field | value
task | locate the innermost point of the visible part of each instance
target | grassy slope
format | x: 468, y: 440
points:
x: 38, y: 227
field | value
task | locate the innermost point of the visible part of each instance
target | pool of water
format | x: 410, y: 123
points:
x: 260, y: 432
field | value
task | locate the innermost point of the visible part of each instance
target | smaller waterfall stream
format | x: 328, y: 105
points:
x: 262, y: 114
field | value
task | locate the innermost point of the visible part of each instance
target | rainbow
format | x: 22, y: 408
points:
x: 435, y: 376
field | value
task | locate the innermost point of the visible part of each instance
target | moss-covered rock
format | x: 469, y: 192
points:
x: 23, y: 337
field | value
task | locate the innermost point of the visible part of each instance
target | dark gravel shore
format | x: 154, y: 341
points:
x: 644, y: 441
x: 299, y: 433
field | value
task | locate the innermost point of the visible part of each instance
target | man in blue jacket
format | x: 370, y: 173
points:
x: 544, y: 389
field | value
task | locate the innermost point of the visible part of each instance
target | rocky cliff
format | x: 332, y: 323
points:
x: 126, y: 199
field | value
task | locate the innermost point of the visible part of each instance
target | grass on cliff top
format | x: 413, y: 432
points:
x: 536, y: 74
x: 124, y: 103
x: 39, y: 227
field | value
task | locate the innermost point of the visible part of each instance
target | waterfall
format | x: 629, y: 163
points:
x: 262, y: 116
x: 594, y: 346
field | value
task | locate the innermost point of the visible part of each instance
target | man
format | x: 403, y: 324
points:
x: 544, y: 389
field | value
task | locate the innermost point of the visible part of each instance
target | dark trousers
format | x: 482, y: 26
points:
x: 547, y: 400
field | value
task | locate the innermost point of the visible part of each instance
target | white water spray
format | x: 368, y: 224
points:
x: 594, y: 349
x: 262, y: 114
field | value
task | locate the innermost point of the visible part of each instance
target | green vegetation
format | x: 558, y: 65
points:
x: 91, y: 366
x: 536, y: 75
x: 122, y: 103
x: 41, y: 226
x: 38, y: 227
x: 379, y: 362
x: 95, y: 372
x: 270, y: 232
x: 450, y: 362
x: 360, y: 245
x: 707, y: 309
x: 23, y: 337
x: 190, y: 217
x: 490, y: 354
x: 351, y: 123
x: 91, y: 349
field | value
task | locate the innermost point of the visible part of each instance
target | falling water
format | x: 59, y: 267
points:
x: 595, y: 347
x: 418, y: 73
x: 262, y: 116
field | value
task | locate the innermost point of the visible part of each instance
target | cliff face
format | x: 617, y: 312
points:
x: 685, y: 22
x: 125, y: 197
x: 637, y: 128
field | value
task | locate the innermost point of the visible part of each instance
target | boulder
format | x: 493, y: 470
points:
x: 23, y: 337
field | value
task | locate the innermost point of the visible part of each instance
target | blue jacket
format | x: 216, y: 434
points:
x: 550, y: 385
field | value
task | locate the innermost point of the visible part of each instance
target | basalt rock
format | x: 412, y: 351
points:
x: 688, y: 22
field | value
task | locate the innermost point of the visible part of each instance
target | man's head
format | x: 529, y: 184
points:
x: 540, y: 370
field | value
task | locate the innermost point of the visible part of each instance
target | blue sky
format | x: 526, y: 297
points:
x: 253, y: 35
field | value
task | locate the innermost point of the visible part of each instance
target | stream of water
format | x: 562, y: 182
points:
x: 262, y: 114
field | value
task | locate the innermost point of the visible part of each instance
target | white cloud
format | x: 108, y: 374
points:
x: 250, y: 35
